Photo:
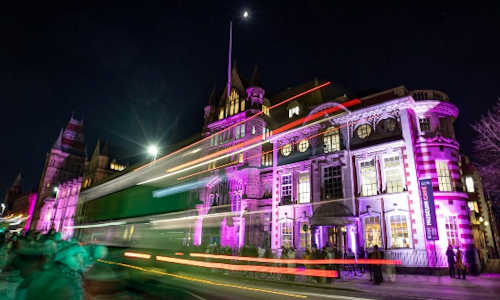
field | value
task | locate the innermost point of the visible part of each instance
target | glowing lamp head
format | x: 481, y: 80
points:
x: 153, y: 150
x: 56, y: 189
x: 245, y: 14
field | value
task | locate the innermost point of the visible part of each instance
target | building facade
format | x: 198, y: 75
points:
x: 311, y: 167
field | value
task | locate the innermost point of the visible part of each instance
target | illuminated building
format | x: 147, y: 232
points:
x: 66, y: 171
x: 299, y: 171
x: 20, y: 203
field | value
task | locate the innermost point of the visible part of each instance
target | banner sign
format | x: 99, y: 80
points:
x: 429, y: 210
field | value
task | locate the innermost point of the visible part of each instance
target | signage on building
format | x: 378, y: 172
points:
x: 430, y: 224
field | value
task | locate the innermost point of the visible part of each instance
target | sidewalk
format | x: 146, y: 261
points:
x: 486, y: 286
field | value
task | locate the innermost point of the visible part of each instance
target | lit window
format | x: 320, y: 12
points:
x: 267, y: 159
x: 241, y: 158
x: 293, y: 111
x: 303, y: 145
x: 393, y: 175
x: 305, y: 236
x: 286, y: 150
x: 332, y: 182
x: 452, y: 230
x: 266, y: 132
x: 211, y: 165
x: 221, y: 114
x: 399, y: 232
x: 425, y: 124
x: 444, y: 176
x: 373, y: 234
x: 242, y: 104
x: 368, y: 178
x: 469, y: 183
x: 286, y: 189
x: 331, y: 141
x: 265, y: 110
x: 388, y: 124
x: 242, y: 130
x: 287, y: 234
x: 304, y: 188
x: 253, y: 130
x: 363, y: 131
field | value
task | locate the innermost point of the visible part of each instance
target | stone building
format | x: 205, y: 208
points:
x: 307, y: 167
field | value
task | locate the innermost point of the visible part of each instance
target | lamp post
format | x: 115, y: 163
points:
x: 153, y: 151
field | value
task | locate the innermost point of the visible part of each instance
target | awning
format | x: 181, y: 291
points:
x: 332, y: 213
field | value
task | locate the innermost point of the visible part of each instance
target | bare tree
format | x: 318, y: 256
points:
x: 487, y: 148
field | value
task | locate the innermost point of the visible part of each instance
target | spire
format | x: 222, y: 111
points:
x: 255, y: 79
x: 18, y: 180
x: 58, y: 142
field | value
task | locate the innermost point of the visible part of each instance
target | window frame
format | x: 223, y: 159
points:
x: 329, y: 143
x: 369, y: 131
x: 445, y: 181
x: 331, y: 177
x: 361, y: 180
x: 287, y: 224
x: 304, y: 188
x: 389, y: 230
x: 288, y: 185
x: 381, y: 230
x: 301, y: 145
x: 424, y: 124
x: 292, y: 111
x: 398, y: 168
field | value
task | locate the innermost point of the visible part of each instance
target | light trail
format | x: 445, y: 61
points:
x: 300, y: 261
x: 137, y: 255
x: 290, y: 125
x: 230, y: 149
x: 205, y: 171
x: 204, y: 281
x: 250, y: 268
x: 238, y: 123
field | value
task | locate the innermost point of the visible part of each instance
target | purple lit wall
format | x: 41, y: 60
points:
x: 31, y: 208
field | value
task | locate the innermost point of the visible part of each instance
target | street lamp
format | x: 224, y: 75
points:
x: 56, y: 189
x: 153, y: 151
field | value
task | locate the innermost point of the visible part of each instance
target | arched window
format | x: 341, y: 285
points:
x: 303, y: 145
x: 363, y: 131
x: 286, y: 150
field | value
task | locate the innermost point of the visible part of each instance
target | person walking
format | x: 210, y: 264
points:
x: 460, y: 265
x: 471, y: 257
x: 361, y: 255
x: 451, y: 261
x: 377, y: 272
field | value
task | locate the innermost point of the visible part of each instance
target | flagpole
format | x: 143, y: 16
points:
x: 229, y: 58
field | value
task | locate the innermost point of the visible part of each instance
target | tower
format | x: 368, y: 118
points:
x: 64, y: 161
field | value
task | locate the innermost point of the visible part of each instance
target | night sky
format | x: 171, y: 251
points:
x: 142, y: 74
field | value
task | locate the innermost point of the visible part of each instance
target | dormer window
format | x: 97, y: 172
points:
x: 293, y: 111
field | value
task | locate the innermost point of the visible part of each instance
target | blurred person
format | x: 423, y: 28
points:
x: 361, y: 255
x: 472, y: 259
x: 450, y: 254
x: 377, y: 269
x: 461, y: 270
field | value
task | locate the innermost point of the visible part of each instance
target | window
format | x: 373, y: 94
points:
x: 446, y: 127
x: 286, y: 189
x: 287, y: 234
x: 372, y: 232
x: 242, y: 104
x: 303, y: 145
x: 389, y: 124
x: 304, y: 188
x: 241, y: 157
x: 444, y: 177
x: 332, y: 182
x: 253, y: 130
x: 363, y: 131
x: 368, y: 178
x: 393, y: 175
x: 239, y: 131
x: 267, y: 159
x: 452, y: 230
x: 469, y: 183
x: 266, y: 132
x: 293, y: 111
x: 399, y: 231
x: 265, y: 110
x: 305, y: 236
x: 286, y: 150
x: 331, y: 141
x: 221, y: 114
x: 425, y: 124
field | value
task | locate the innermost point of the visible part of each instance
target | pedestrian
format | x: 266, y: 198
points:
x: 461, y: 270
x: 361, y: 255
x: 451, y: 261
x: 377, y: 271
x: 472, y: 260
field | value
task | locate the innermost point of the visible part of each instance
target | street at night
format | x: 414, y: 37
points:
x: 249, y: 150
